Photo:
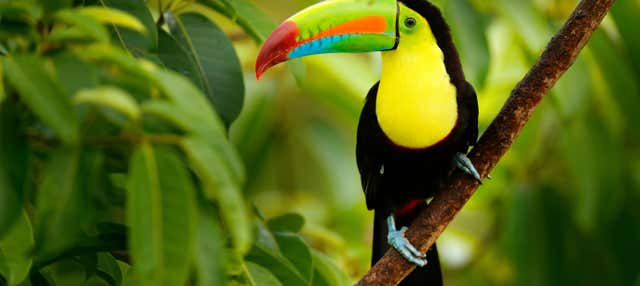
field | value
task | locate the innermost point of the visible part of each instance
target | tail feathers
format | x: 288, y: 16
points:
x: 429, y: 275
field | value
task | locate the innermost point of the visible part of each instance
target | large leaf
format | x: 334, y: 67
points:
x: 218, y: 68
x: 327, y: 273
x: 281, y: 267
x: 220, y: 186
x: 251, y: 18
x: 189, y: 110
x: 162, y: 214
x: 291, y: 222
x: 15, y: 247
x: 82, y: 26
x: 13, y: 165
x: 43, y: 95
x: 112, y: 98
x: 210, y: 250
x: 261, y: 276
x: 175, y: 57
x: 135, y: 42
x: 297, y: 251
x: 75, y: 74
x: 114, y: 17
x: 62, y: 205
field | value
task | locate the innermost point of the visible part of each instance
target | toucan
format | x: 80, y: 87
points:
x: 418, y: 121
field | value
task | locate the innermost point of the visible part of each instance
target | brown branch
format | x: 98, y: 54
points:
x: 559, y: 55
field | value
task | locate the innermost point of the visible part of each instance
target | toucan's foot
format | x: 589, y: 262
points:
x: 463, y: 163
x: 397, y: 240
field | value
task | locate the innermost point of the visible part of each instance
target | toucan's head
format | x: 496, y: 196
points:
x: 335, y: 26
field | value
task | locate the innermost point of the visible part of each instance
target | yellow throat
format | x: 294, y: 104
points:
x: 416, y: 104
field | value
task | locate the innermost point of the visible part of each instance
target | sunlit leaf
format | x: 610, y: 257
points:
x: 528, y: 21
x: 43, y: 95
x: 114, y: 17
x: 218, y: 69
x: 162, y: 214
x: 252, y: 19
x: 89, y: 26
x: 110, y: 97
x: 135, y: 42
x: 15, y: 251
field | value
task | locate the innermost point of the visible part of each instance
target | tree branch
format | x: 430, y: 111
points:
x: 559, y: 55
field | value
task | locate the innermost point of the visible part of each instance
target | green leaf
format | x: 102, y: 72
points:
x: 625, y: 14
x: 113, y: 16
x: 3, y: 92
x: 248, y: 16
x: 162, y: 214
x: 85, y: 25
x: 220, y: 186
x: 110, y: 97
x: 327, y: 273
x: 296, y: 250
x: 62, y: 205
x: 43, y: 95
x: 210, y: 251
x: 187, y: 99
x: 189, y: 110
x: 75, y: 74
x: 290, y: 222
x: 14, y: 158
x: 54, y: 5
x: 618, y: 78
x: 219, y: 73
x: 261, y: 276
x: 281, y: 267
x: 108, y: 270
x: 15, y: 251
x: 135, y: 42
x: 175, y: 57
x: 468, y: 28
x: 524, y: 16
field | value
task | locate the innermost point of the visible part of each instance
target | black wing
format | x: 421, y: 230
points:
x: 469, y: 102
x: 369, y: 163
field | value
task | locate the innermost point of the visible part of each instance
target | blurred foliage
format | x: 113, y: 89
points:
x: 137, y: 148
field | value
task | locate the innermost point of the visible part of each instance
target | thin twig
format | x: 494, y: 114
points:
x: 559, y: 55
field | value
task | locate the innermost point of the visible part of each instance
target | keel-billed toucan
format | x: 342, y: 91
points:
x: 418, y: 121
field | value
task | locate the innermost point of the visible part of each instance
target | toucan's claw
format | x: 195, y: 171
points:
x: 399, y: 242
x: 463, y: 163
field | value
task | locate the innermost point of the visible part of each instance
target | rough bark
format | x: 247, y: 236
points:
x: 558, y: 56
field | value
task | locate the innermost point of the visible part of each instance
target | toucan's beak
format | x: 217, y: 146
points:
x: 332, y: 26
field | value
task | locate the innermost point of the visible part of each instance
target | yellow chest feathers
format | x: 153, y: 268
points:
x: 416, y: 104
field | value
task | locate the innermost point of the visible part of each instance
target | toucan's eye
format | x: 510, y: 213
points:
x: 410, y: 22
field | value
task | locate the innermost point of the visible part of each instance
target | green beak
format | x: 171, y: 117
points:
x: 333, y: 26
